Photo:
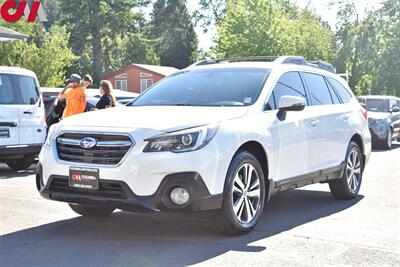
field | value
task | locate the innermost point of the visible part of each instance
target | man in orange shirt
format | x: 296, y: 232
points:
x: 75, y: 96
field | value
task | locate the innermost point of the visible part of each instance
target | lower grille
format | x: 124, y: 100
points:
x: 106, y: 149
x: 110, y: 190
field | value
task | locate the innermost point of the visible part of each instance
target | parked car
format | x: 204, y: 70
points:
x: 22, y: 122
x: 55, y: 108
x: 90, y: 92
x: 384, y: 118
x: 220, y: 136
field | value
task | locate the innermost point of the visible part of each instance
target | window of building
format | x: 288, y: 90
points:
x: 145, y: 84
x: 121, y: 85
x: 319, y: 92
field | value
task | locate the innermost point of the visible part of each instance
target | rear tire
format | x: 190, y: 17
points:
x: 348, y: 186
x: 244, y: 196
x: 91, y: 211
x: 21, y: 164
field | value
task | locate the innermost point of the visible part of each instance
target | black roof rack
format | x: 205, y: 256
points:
x: 298, y: 60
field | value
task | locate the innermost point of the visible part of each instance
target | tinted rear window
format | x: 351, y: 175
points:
x: 211, y: 87
x: 18, y: 90
x: 319, y: 92
x: 341, y: 90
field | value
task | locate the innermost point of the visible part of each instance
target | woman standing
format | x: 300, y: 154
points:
x: 107, y: 99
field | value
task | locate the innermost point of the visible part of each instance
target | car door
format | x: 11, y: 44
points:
x: 332, y: 119
x: 394, y: 103
x: 32, y: 128
x: 9, y: 120
x: 293, y: 135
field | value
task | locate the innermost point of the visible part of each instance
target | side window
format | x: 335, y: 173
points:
x: 29, y: 91
x: 333, y: 93
x: 343, y: 92
x: 7, y: 96
x: 319, y: 92
x: 289, y: 84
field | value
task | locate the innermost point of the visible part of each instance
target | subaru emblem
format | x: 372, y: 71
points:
x: 88, y: 143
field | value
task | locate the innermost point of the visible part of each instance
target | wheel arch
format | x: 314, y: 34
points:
x: 359, y: 141
x: 256, y: 149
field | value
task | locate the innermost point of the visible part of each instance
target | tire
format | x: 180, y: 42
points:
x: 91, y: 211
x: 21, y: 164
x: 250, y: 203
x: 389, y: 140
x: 348, y: 186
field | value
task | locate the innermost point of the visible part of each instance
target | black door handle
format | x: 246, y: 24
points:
x: 8, y: 124
x: 28, y: 112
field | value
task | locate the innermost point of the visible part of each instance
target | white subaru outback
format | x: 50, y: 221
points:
x: 221, y: 135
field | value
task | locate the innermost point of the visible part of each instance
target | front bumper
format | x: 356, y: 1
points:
x: 18, y: 152
x: 117, y: 194
x: 378, y: 133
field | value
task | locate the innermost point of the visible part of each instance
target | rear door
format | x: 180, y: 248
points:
x: 328, y: 111
x: 9, y: 120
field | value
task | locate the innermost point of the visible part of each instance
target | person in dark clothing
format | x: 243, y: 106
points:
x: 107, y: 99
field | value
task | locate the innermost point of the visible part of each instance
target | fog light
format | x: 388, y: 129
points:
x: 179, y: 196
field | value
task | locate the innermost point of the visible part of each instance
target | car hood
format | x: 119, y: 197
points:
x: 168, y: 118
x: 378, y: 115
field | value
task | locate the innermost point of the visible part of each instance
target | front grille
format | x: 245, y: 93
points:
x: 111, y: 190
x: 109, y: 149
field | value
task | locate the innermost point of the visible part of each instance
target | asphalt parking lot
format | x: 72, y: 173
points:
x: 304, y: 227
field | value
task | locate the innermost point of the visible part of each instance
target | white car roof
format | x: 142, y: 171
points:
x: 17, y: 71
x: 268, y: 66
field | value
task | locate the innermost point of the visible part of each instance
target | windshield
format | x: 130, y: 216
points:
x: 211, y: 87
x: 18, y: 90
x: 378, y: 105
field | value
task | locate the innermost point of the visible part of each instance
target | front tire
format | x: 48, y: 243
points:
x: 389, y: 140
x: 91, y: 211
x: 348, y: 186
x: 244, y: 196
x: 21, y: 164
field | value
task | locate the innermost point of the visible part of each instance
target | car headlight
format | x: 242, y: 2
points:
x: 50, y: 135
x: 182, y: 141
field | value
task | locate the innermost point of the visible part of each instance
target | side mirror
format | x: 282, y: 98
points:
x: 291, y: 103
x: 395, y: 109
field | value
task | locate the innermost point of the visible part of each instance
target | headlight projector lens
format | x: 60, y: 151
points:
x: 187, y: 140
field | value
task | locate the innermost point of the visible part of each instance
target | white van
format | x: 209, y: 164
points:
x: 22, y: 118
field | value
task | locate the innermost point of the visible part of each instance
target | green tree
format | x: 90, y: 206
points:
x: 271, y: 28
x: 95, y: 27
x: 172, y: 23
x: 47, y: 54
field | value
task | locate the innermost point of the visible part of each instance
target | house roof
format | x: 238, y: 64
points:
x: 165, y: 71
x: 10, y: 35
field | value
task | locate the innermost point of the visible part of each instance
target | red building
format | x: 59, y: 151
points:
x: 137, y: 78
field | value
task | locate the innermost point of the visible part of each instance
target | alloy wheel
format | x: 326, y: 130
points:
x: 353, y: 170
x: 246, y: 193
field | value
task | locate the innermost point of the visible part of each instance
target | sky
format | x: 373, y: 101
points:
x: 321, y: 7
